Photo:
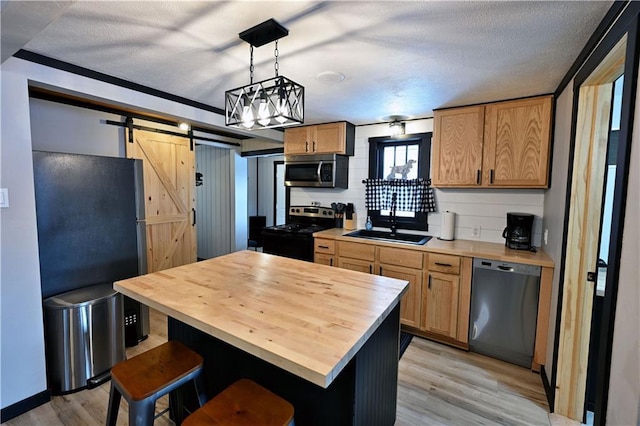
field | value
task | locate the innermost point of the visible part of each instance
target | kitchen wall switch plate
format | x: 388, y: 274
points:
x: 475, y: 231
x: 4, y: 198
x: 546, y: 236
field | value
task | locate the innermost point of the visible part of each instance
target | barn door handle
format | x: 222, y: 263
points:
x: 194, y: 217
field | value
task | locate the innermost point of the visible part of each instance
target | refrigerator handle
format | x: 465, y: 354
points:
x: 194, y: 217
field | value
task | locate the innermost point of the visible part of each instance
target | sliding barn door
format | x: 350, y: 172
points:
x: 169, y: 197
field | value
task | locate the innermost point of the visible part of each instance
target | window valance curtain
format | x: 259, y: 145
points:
x: 412, y: 195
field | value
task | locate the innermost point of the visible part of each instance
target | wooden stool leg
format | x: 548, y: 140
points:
x: 142, y: 413
x: 114, y: 405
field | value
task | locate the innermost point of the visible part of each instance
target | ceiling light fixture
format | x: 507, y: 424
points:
x: 397, y: 128
x: 183, y: 125
x: 276, y: 102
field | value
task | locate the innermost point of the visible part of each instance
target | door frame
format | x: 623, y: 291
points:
x: 626, y: 25
x: 287, y: 193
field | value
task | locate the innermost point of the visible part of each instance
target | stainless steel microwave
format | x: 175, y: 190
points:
x: 320, y: 171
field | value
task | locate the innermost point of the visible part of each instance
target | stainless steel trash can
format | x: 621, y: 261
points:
x: 84, y: 336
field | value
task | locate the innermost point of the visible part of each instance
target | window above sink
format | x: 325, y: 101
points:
x: 387, y: 156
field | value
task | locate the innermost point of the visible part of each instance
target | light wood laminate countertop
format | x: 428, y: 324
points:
x: 468, y: 248
x: 305, y: 318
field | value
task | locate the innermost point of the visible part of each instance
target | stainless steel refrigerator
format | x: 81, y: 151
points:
x: 87, y: 209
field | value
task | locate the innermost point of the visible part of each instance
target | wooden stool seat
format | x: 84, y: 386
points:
x: 243, y: 403
x: 148, y: 376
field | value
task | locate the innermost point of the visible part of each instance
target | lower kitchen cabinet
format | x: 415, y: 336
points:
x: 356, y: 265
x: 405, y: 265
x: 410, y: 305
x: 356, y: 257
x: 436, y: 304
x: 440, y: 304
x: 324, y: 251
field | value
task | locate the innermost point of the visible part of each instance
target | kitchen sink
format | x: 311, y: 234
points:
x: 390, y: 236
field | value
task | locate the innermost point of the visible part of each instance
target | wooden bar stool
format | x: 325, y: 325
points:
x: 148, y: 376
x: 243, y: 403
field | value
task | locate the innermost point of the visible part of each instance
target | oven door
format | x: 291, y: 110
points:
x: 288, y: 244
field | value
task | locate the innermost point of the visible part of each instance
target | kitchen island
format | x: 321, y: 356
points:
x: 324, y: 339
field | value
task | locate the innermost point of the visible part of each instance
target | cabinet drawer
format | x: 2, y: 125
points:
x: 324, y: 246
x: 444, y: 263
x: 357, y: 251
x: 400, y: 257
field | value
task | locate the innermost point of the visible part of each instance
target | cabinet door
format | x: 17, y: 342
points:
x: 457, y: 147
x: 517, y: 143
x: 440, y: 304
x: 296, y: 141
x: 355, y: 265
x: 328, y: 138
x: 324, y: 259
x: 410, y: 305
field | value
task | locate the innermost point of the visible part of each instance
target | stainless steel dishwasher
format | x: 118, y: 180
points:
x: 504, y: 307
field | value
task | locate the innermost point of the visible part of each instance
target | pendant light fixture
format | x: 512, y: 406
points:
x: 276, y: 102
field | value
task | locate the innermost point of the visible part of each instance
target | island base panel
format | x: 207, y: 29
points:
x: 364, y: 393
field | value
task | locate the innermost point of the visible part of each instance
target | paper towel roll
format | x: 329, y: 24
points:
x: 447, y: 229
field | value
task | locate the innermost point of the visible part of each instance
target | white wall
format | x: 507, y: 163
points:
x: 486, y: 208
x: 58, y: 127
x: 22, y: 363
x: 624, y: 383
x: 554, y: 206
x: 22, y: 359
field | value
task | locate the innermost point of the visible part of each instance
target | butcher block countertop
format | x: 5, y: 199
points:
x: 305, y: 318
x: 467, y: 248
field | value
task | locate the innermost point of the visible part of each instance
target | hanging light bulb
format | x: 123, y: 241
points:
x: 264, y: 115
x: 247, y: 115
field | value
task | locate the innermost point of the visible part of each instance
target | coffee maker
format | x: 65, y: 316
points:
x: 518, y: 232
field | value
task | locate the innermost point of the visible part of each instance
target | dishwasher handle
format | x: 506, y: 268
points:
x: 507, y: 267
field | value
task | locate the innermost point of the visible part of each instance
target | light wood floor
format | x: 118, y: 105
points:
x: 438, y: 385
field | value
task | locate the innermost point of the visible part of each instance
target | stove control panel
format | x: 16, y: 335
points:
x: 311, y: 211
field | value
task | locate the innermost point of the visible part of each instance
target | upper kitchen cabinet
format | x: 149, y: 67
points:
x: 330, y: 138
x: 503, y: 145
x: 457, y: 146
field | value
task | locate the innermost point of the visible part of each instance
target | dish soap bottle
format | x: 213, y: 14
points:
x: 368, y: 225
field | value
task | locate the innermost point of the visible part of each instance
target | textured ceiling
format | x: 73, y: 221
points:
x: 398, y: 58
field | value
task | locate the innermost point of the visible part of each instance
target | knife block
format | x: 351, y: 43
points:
x: 351, y: 224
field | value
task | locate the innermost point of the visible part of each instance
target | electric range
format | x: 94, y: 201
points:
x: 295, y: 238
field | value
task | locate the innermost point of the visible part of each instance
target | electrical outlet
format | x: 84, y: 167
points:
x: 4, y: 197
x: 475, y: 231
